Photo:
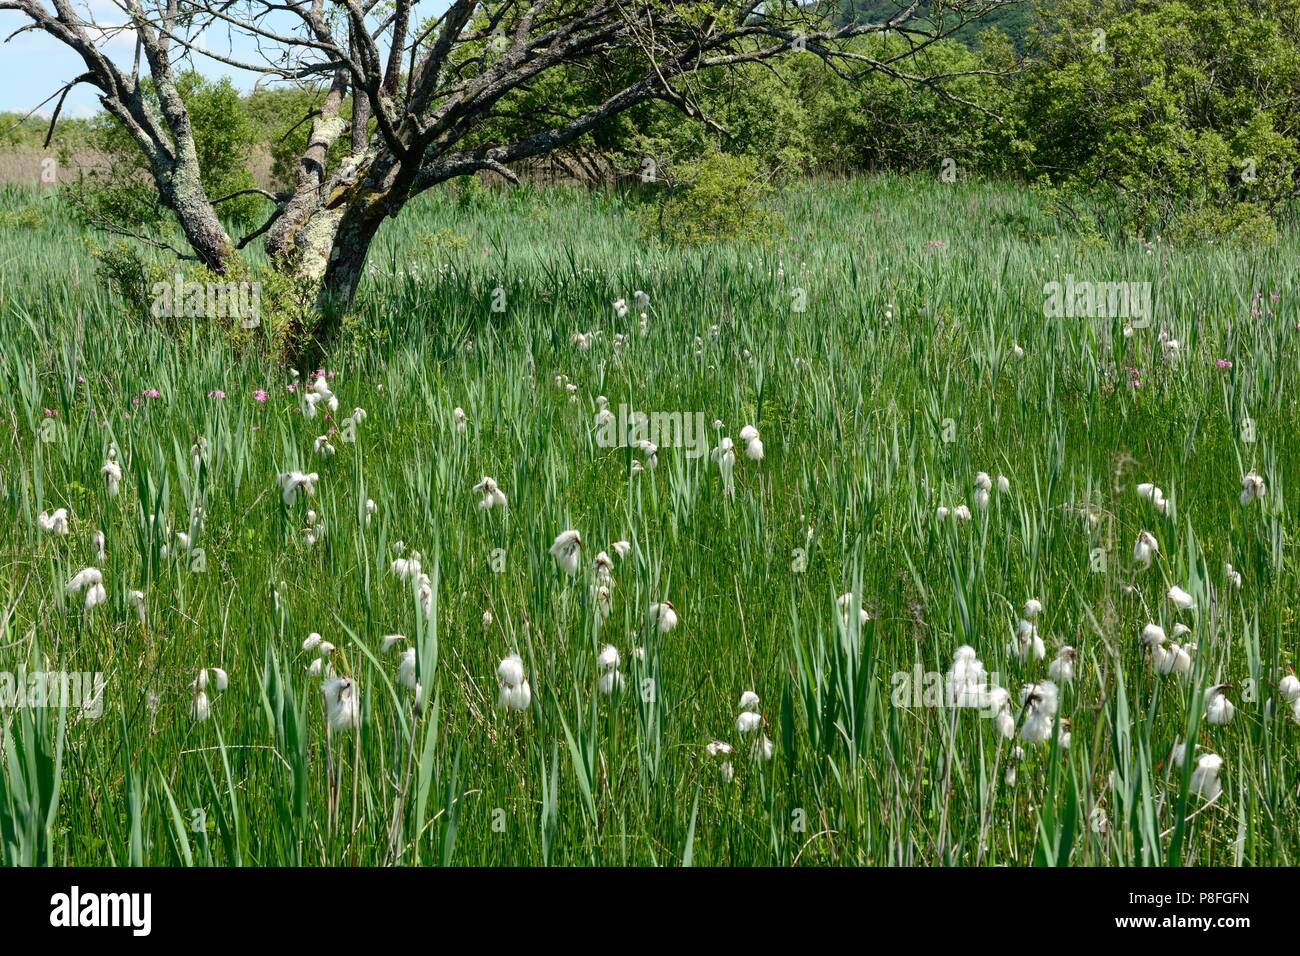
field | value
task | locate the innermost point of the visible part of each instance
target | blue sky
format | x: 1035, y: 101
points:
x: 34, y: 66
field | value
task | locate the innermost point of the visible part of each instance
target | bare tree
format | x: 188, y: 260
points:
x: 422, y: 90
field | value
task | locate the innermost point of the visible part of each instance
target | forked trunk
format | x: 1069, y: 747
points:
x: 330, y: 249
x: 330, y: 252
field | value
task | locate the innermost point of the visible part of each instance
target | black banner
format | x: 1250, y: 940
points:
x: 336, y: 905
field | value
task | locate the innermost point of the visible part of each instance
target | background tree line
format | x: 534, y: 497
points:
x: 1181, y: 118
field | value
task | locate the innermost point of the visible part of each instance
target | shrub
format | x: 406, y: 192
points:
x: 709, y: 200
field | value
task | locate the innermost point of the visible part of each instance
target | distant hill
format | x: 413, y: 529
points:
x: 1014, y: 20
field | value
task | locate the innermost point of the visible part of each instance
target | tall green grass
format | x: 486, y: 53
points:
x: 916, y: 294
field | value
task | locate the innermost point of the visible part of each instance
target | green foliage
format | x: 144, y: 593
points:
x: 794, y: 116
x: 443, y: 242
x: 1244, y: 222
x: 223, y: 138
x: 880, y: 123
x: 285, y: 306
x: 712, y: 199
x: 288, y: 305
x: 130, y: 275
x: 124, y: 196
x: 754, y: 112
x: 27, y: 218
x: 19, y: 131
x: 790, y: 115
x: 281, y: 120
x: 1177, y: 108
x: 1014, y: 21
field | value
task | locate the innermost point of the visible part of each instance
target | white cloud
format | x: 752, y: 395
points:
x: 112, y: 37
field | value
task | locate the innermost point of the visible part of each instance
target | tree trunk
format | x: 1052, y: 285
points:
x: 331, y: 253
x: 282, y: 239
x: 345, y: 266
x: 183, y: 192
x: 330, y: 249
